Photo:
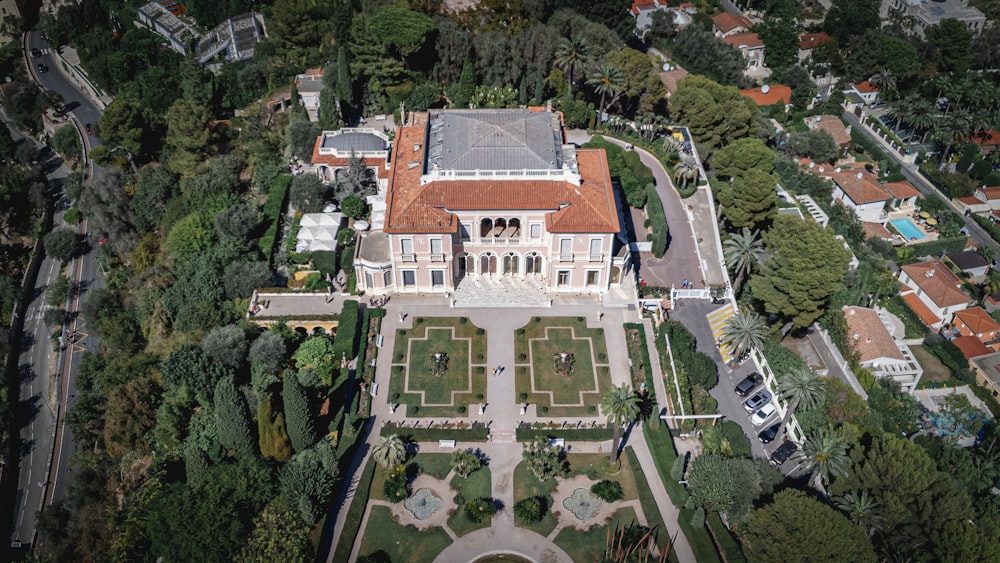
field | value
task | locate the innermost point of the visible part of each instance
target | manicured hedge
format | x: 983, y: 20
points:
x: 988, y: 226
x: 933, y: 248
x: 477, y: 434
x: 724, y: 540
x: 657, y: 221
x: 572, y: 434
x: 272, y: 210
x: 347, y: 329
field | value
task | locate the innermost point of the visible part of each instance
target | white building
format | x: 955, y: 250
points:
x: 872, y: 337
x: 926, y: 13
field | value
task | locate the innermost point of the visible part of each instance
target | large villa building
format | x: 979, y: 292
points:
x: 492, y: 200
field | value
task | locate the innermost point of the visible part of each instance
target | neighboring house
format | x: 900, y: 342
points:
x: 987, y: 370
x: 970, y: 346
x: 990, y: 195
x: 987, y: 140
x: 975, y: 322
x: 809, y: 41
x: 670, y: 78
x: 937, y: 288
x: 333, y: 151
x: 970, y: 262
x: 861, y: 192
x: 876, y: 230
x: 871, y: 337
x: 904, y: 195
x: 485, y: 198
x: 232, y: 40
x: 972, y: 204
x: 925, y: 13
x: 750, y: 46
x: 161, y: 17
x: 726, y: 24
x: 834, y: 126
x: 643, y: 10
x: 770, y: 94
x: 863, y: 91
x: 309, y: 85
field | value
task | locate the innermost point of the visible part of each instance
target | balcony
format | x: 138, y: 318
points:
x: 564, y: 258
x: 597, y: 258
x: 437, y: 257
x: 409, y: 258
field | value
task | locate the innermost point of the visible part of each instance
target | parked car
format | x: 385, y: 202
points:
x: 749, y: 383
x: 783, y: 452
x: 42, y: 68
x: 89, y: 130
x: 67, y: 108
x: 35, y: 52
x: 757, y: 400
x: 764, y: 414
x: 768, y: 434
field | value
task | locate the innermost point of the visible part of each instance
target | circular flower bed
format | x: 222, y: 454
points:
x: 423, y: 504
x: 582, y: 504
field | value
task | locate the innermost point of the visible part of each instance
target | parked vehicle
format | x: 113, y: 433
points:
x: 42, y: 68
x: 764, y: 414
x: 768, y: 434
x: 89, y: 130
x: 749, y: 383
x: 783, y: 452
x: 35, y: 52
x: 757, y: 400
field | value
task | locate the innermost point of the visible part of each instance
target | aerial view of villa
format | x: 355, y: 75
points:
x: 469, y: 281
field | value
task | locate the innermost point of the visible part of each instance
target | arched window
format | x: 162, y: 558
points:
x: 466, y: 265
x: 616, y: 274
x: 488, y: 263
x: 533, y: 264
x: 486, y: 228
x: 498, y: 226
x: 514, y: 224
x: 510, y: 261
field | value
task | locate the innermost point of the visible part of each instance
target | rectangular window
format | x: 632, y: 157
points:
x: 369, y: 280
x: 566, y: 247
x: 464, y: 230
x: 536, y: 230
x: 436, y: 246
x: 409, y: 278
x: 592, y: 277
x: 437, y: 278
x: 406, y: 245
x: 387, y: 278
x: 595, y: 249
x: 562, y: 278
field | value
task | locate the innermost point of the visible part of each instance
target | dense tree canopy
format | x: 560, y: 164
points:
x: 716, y: 115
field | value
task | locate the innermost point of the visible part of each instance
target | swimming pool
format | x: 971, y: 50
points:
x: 906, y: 226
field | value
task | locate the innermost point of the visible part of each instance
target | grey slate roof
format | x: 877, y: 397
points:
x: 346, y: 142
x: 487, y: 139
x: 967, y: 260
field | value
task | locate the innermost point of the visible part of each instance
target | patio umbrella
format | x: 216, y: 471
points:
x: 932, y: 221
x: 925, y: 214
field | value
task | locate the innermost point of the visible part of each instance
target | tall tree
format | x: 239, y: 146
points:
x: 715, y: 114
x: 299, y: 417
x: 746, y: 330
x: 742, y: 155
x: 847, y: 18
x: 607, y: 81
x: 952, y: 41
x: 572, y: 55
x: 465, y: 462
x: 800, y: 387
x: 621, y: 406
x: 743, y: 252
x: 232, y: 419
x: 545, y: 460
x: 400, y: 30
x: 187, y: 136
x: 278, y: 535
x: 466, y: 86
x: 825, y: 455
x: 862, y: 509
x: 750, y: 200
x: 226, y: 345
x: 309, y: 480
x: 807, y: 266
x: 389, y: 451
x: 190, y: 367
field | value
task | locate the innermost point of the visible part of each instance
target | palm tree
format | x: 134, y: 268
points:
x: 884, y: 80
x: 992, y: 283
x: 922, y: 116
x: 899, y: 110
x: 951, y: 129
x: 621, y: 405
x: 825, y: 454
x: 742, y: 251
x: 686, y: 170
x: 390, y: 451
x: 570, y: 55
x: 745, y: 330
x: 862, y: 509
x: 608, y: 81
x: 800, y: 387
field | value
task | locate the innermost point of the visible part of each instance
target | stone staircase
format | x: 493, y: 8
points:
x: 503, y: 433
x: 500, y: 292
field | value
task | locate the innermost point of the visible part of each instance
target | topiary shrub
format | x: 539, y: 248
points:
x: 480, y: 331
x: 479, y: 396
x: 591, y: 409
x: 460, y: 409
x: 397, y: 485
x: 463, y: 320
x: 608, y: 491
x: 522, y: 357
x: 543, y: 409
x: 698, y: 518
x: 480, y: 370
x: 522, y: 397
x: 602, y: 356
x: 394, y: 397
x: 520, y: 331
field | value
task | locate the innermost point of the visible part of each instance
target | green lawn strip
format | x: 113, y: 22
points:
x: 598, y: 434
x: 584, y: 545
x: 701, y: 541
x: 648, y: 503
x: 400, y: 543
x: 661, y: 445
x: 476, y: 485
x: 525, y: 486
x: 565, y: 389
x: 726, y: 543
x: 436, y: 465
x: 438, y: 389
x: 356, y: 512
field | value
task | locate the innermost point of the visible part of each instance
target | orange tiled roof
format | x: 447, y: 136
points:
x: 989, y: 138
x: 329, y: 160
x: 832, y: 125
x: 866, y: 87
x: 726, y: 22
x: 937, y: 280
x: 875, y: 230
x: 925, y: 314
x: 977, y: 320
x: 992, y: 192
x: 412, y: 208
x: 868, y: 336
x: 901, y: 190
x: 748, y: 40
x: 970, y: 200
x: 775, y: 93
x: 670, y: 79
x: 811, y: 40
x: 861, y: 190
x: 971, y: 346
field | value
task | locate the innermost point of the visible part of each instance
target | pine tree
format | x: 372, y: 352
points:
x: 273, y: 439
x: 296, y: 111
x: 298, y: 415
x: 232, y: 419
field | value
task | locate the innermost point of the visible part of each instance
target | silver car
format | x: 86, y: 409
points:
x: 759, y: 399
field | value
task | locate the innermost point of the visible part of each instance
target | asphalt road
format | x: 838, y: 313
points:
x: 44, y: 469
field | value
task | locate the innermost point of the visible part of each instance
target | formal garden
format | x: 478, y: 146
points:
x: 439, y: 367
x: 562, y: 366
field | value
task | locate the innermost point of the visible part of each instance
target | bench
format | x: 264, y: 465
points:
x: 560, y: 442
x: 379, y: 341
x: 446, y: 443
x: 374, y: 390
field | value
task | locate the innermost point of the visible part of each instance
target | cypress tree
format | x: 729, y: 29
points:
x: 299, y: 420
x: 466, y: 86
x: 232, y: 419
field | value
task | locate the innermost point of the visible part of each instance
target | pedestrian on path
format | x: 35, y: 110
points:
x: 402, y: 316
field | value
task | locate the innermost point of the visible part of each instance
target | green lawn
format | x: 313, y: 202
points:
x: 525, y: 486
x: 934, y: 370
x: 584, y: 545
x: 701, y: 541
x: 401, y: 543
x: 536, y: 346
x: 426, y: 393
x: 437, y: 465
x: 476, y: 485
x: 355, y: 513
